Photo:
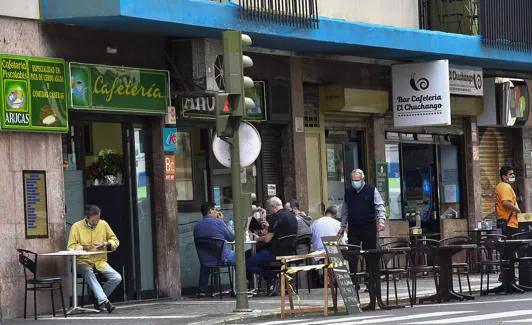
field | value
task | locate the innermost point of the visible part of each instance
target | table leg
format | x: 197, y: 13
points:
x: 75, y: 306
x: 254, y: 275
x: 282, y: 293
x: 326, y: 289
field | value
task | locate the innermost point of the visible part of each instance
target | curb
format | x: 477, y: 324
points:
x: 276, y: 313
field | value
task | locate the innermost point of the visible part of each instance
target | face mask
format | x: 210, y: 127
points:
x: 511, y: 179
x: 356, y: 184
x: 90, y: 225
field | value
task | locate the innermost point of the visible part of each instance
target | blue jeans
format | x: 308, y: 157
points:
x: 254, y: 263
x: 204, y: 271
x: 112, y: 280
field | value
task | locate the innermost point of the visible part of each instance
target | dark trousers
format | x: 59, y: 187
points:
x: 366, y: 237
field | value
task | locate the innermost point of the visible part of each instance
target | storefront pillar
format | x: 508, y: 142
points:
x: 472, y: 168
x: 294, y: 162
x: 527, y: 172
x: 166, y: 225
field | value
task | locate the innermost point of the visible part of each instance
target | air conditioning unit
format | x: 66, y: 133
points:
x: 200, y: 64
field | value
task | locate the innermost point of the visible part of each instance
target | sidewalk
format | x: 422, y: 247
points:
x: 215, y: 311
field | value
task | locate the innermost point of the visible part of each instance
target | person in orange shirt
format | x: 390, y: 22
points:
x: 506, y: 206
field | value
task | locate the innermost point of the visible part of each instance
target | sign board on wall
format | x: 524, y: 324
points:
x: 35, y: 204
x: 203, y: 106
x: 381, y: 179
x: 466, y: 81
x: 169, y: 167
x: 119, y: 89
x: 421, y: 94
x: 33, y: 93
x: 169, y: 140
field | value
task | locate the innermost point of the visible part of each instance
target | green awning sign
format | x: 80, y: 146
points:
x: 33, y: 93
x: 119, y: 89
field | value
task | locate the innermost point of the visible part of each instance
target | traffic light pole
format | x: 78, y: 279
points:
x: 242, y: 304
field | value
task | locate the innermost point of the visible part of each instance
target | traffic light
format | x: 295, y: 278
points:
x: 224, y: 124
x: 235, y: 81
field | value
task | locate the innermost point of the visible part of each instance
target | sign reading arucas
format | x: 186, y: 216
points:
x: 119, y: 89
x: 421, y: 94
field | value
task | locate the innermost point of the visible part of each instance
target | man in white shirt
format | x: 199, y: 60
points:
x: 325, y: 226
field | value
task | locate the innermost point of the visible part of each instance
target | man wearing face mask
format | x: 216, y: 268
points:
x: 506, y: 205
x: 362, y: 213
x: 92, y: 234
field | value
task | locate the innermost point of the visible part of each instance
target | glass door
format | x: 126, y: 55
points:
x: 141, y: 193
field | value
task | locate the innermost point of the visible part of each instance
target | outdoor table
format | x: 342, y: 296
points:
x: 74, y: 255
x: 509, y: 283
x: 444, y: 257
x: 372, y: 257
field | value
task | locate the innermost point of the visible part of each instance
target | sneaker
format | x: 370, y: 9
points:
x: 109, y: 306
x: 202, y: 293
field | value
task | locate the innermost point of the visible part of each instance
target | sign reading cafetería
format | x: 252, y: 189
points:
x: 466, y: 81
x: 421, y: 94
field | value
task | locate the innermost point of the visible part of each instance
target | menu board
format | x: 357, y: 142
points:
x: 35, y: 207
x: 343, y: 279
x: 381, y: 179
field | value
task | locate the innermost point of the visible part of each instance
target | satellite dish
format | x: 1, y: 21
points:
x: 250, y: 145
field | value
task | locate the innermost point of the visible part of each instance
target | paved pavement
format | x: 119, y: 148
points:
x: 215, y: 311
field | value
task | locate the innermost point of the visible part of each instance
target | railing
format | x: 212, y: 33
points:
x: 506, y: 24
x: 451, y: 16
x: 298, y: 13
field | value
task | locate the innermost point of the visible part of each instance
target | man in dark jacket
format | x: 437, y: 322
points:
x: 283, y: 224
x: 362, y: 214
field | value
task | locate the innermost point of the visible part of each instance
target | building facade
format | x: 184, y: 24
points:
x: 325, y: 87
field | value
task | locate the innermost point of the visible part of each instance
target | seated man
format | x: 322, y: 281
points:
x: 92, y: 234
x: 282, y: 224
x: 212, y: 225
x: 325, y: 226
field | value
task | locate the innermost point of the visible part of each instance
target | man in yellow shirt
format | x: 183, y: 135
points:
x: 506, y: 206
x: 92, y: 234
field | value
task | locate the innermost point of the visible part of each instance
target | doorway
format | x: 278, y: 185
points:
x: 108, y: 157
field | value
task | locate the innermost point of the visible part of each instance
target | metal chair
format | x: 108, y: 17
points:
x: 210, y: 250
x: 395, y: 265
x: 460, y: 268
x: 28, y: 259
x: 418, y: 263
x: 287, y: 244
x: 492, y: 246
x: 522, y: 259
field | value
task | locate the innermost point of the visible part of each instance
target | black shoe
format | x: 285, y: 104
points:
x: 109, y: 306
x: 99, y: 307
x: 202, y: 293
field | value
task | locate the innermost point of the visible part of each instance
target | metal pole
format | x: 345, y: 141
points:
x: 242, y: 304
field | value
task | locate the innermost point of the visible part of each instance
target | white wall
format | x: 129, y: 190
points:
x: 399, y: 13
x: 20, y: 8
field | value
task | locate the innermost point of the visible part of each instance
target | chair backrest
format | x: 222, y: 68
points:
x: 493, y: 244
x: 422, y: 251
x: 456, y: 240
x: 303, y: 243
x: 210, y: 250
x: 522, y: 235
x: 28, y: 259
x: 393, y: 259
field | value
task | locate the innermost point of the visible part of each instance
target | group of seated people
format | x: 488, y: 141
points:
x: 275, y: 230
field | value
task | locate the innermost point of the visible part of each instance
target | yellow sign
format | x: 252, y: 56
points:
x: 524, y: 217
x: 35, y: 204
x: 337, y: 98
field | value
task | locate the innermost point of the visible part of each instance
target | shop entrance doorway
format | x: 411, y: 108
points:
x: 107, y: 163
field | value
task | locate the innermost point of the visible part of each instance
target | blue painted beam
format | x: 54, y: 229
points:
x: 203, y: 18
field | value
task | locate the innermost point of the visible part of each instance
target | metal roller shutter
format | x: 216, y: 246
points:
x: 271, y: 161
x: 496, y: 150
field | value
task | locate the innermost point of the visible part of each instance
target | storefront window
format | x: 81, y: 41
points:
x: 183, y: 167
x: 394, y: 181
x: 449, y: 181
x: 335, y: 172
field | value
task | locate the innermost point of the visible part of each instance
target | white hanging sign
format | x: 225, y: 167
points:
x: 421, y: 94
x: 466, y: 81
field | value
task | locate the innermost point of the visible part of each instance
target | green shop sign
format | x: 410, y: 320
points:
x: 33, y: 93
x: 119, y: 89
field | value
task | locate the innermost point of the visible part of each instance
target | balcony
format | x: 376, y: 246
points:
x: 297, y: 13
x: 451, y: 16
